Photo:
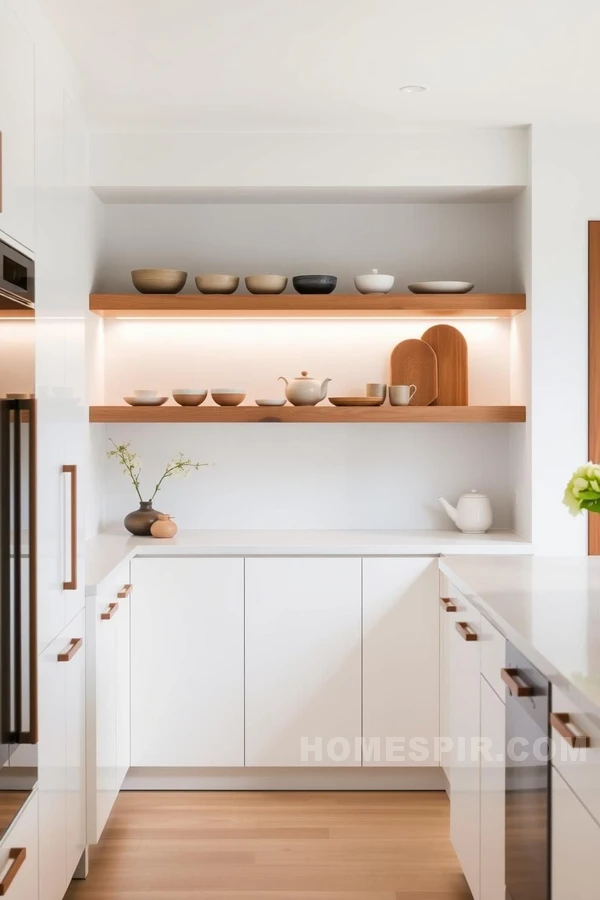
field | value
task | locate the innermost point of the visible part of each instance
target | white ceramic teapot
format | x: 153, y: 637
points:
x: 473, y: 512
x: 304, y: 390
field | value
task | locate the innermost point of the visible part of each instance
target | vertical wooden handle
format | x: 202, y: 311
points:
x: 18, y: 856
x: 71, y: 585
x: 125, y: 591
x: 561, y: 722
x: 465, y: 631
x: 447, y: 604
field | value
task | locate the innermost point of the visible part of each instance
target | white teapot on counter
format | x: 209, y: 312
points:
x: 304, y: 390
x: 472, y: 514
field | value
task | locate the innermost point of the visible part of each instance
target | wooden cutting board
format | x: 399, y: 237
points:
x: 414, y: 362
x: 453, y: 372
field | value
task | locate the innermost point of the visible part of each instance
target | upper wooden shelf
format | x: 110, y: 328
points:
x: 307, y: 305
x: 324, y: 412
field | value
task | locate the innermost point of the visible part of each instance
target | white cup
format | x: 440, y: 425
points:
x: 401, y: 394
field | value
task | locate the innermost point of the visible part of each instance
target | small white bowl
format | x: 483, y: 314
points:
x: 374, y: 283
x: 189, y: 391
x: 145, y: 395
x: 271, y: 401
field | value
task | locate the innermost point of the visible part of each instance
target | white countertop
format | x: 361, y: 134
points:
x: 548, y: 607
x: 110, y: 548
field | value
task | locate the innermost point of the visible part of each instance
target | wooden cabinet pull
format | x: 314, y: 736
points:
x: 561, y: 722
x: 18, y: 856
x: 465, y: 631
x: 74, y: 647
x: 509, y: 677
x: 125, y: 591
x: 112, y: 609
x: 448, y: 604
x: 71, y: 585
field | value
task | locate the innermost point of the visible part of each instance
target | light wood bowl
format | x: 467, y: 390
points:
x: 266, y: 284
x: 158, y: 281
x: 217, y: 284
x: 227, y: 398
x: 190, y: 399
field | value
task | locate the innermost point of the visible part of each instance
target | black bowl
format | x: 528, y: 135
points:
x: 314, y: 284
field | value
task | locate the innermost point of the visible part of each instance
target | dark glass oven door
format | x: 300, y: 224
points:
x: 17, y: 285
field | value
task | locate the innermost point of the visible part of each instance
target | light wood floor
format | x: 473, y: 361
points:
x: 271, y: 846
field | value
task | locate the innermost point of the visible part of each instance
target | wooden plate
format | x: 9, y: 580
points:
x: 356, y: 401
x: 414, y: 362
x: 450, y: 348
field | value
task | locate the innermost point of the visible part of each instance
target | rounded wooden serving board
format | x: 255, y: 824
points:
x: 414, y: 362
x: 450, y: 347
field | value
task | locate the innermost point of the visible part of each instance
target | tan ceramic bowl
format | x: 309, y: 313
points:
x: 190, y: 398
x: 217, y: 284
x: 228, y: 397
x: 158, y: 281
x: 266, y: 284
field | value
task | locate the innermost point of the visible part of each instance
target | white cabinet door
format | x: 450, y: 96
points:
x: 303, y: 661
x: 105, y: 680
x: 465, y: 732
x: 123, y: 668
x: 108, y: 693
x: 447, y: 620
x: 187, y: 662
x: 17, y: 128
x: 400, y: 662
x: 75, y: 750
x: 52, y: 724
x: 22, y: 836
x: 61, y: 680
x: 493, y: 734
x: 575, y: 845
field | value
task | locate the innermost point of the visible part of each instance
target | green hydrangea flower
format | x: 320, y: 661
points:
x: 583, y: 490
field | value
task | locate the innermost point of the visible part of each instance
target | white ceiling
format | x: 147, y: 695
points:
x: 332, y: 65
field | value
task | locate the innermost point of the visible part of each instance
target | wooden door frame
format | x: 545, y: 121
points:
x: 594, y: 369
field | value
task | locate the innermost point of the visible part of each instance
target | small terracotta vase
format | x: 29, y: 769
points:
x: 140, y: 521
x: 164, y: 527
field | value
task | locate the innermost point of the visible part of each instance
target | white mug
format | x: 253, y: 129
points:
x: 402, y: 394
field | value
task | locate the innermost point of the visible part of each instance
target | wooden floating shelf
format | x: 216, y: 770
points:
x: 307, y: 305
x: 322, y: 413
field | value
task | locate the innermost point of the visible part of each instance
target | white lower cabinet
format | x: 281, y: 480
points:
x: 187, y: 662
x: 19, y: 855
x: 303, y: 661
x: 575, y: 845
x: 401, y: 662
x: 61, y: 758
x: 465, y: 727
x: 493, y: 771
x: 108, y: 691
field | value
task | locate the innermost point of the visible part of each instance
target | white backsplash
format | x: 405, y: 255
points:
x: 313, y: 476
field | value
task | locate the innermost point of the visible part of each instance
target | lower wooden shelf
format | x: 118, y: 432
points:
x: 322, y: 413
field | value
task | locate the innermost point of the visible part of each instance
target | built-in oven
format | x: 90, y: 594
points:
x: 17, y: 279
x: 527, y: 779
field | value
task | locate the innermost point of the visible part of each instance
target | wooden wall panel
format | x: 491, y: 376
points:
x: 594, y: 371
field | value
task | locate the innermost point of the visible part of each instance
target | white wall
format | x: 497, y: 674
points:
x: 414, y: 242
x: 314, y: 476
x: 565, y: 195
x: 492, y: 157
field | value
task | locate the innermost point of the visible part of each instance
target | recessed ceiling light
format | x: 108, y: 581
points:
x: 413, y: 89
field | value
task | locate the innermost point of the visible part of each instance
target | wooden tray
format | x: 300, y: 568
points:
x: 414, y: 362
x: 356, y: 401
x: 450, y: 348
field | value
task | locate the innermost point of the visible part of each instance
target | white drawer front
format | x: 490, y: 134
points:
x: 575, y: 846
x: 579, y: 768
x: 20, y: 878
